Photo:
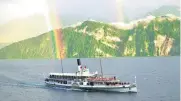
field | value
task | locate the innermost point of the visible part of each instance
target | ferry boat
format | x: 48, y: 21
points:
x: 84, y: 80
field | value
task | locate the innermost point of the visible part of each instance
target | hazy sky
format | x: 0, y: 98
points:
x: 11, y: 9
x: 68, y: 11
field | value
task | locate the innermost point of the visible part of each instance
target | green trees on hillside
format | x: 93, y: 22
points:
x: 144, y: 36
x: 78, y: 44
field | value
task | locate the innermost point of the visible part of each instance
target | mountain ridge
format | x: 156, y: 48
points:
x: 157, y: 37
x: 166, y: 9
x: 160, y: 11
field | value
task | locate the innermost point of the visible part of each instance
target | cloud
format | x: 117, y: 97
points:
x: 20, y: 8
x: 7, y: 1
x: 11, y: 9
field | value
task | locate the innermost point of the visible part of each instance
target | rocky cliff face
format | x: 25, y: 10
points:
x: 158, y: 36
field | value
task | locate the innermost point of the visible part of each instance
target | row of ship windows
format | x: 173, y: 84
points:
x: 58, y: 81
x: 90, y: 83
x: 66, y: 77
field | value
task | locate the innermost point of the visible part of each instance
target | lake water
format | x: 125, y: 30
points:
x: 158, y: 79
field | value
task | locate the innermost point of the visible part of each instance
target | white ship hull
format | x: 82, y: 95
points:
x: 112, y: 88
x: 126, y: 88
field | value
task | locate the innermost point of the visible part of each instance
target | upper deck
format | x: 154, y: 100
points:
x: 73, y: 74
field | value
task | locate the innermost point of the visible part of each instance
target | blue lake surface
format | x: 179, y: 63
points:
x: 158, y: 79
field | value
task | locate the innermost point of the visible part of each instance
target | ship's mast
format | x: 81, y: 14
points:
x: 62, y: 65
x: 101, y: 68
x: 100, y: 63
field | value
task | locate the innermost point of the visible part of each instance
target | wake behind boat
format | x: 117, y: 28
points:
x: 84, y: 80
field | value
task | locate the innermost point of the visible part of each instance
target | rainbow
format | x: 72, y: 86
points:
x: 57, y: 43
x: 57, y: 40
x: 53, y: 23
x: 119, y: 9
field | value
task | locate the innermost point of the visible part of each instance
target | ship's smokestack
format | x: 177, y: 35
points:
x: 79, y: 65
x: 78, y: 62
